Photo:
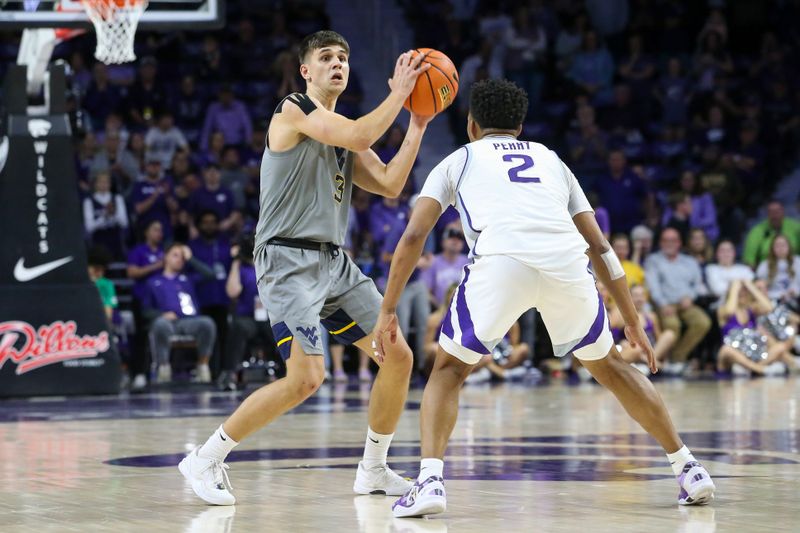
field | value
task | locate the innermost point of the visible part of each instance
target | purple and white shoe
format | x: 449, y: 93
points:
x: 697, y: 488
x: 424, y: 498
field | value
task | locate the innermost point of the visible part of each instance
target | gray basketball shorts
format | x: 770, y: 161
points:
x: 304, y: 290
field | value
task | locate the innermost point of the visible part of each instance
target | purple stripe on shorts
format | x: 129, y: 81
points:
x: 468, y: 338
x: 597, y: 327
x: 447, y: 324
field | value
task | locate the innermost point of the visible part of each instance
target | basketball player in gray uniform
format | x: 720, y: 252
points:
x: 303, y: 276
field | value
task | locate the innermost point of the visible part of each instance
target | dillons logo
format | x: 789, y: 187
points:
x: 47, y: 345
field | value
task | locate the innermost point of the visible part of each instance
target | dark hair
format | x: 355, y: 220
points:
x: 98, y: 256
x: 205, y: 212
x: 498, y: 104
x: 175, y: 244
x: 147, y: 227
x: 320, y: 39
x: 247, y: 244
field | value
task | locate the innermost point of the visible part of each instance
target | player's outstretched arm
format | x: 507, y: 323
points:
x: 608, y: 269
x: 388, y: 179
x: 307, y: 116
x: 423, y: 218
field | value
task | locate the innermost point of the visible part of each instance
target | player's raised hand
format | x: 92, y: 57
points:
x: 406, y: 71
x: 638, y: 338
x: 421, y: 121
x: 385, y: 330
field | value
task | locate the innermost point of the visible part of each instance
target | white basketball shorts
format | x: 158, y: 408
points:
x: 496, y: 290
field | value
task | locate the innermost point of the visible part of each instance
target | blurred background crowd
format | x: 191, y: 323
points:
x: 680, y: 119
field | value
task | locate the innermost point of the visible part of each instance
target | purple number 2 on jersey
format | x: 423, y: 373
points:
x: 514, y: 172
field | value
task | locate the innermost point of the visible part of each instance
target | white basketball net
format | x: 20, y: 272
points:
x: 115, y: 24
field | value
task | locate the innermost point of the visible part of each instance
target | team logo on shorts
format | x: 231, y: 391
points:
x: 310, y: 333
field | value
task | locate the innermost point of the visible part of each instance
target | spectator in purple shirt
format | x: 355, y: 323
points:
x: 588, y: 146
x: 211, y: 260
x: 623, y: 193
x: 211, y: 154
x: 446, y: 267
x: 213, y: 196
x: 189, y: 106
x: 383, y: 216
x: 249, y: 321
x: 152, y: 199
x: 172, y: 304
x: 143, y: 262
x: 230, y: 116
x: 592, y: 68
x: 414, y: 306
x: 703, y: 213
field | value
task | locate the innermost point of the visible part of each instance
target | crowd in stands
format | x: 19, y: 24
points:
x: 679, y: 118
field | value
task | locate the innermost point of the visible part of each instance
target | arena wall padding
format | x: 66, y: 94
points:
x: 54, y: 336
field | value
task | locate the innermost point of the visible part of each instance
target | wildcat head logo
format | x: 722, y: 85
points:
x: 310, y: 333
x: 38, y: 127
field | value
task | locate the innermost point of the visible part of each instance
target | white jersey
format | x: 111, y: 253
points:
x: 516, y: 198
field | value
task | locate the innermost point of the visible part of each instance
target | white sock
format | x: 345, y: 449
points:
x: 679, y: 459
x: 430, y: 467
x: 218, y: 445
x: 376, y: 448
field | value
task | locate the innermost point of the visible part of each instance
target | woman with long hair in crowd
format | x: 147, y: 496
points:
x: 699, y: 247
x: 781, y: 271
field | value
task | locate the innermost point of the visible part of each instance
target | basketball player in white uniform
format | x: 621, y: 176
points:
x: 528, y: 225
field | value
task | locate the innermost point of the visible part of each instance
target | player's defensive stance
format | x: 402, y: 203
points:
x: 303, y: 277
x: 527, y: 222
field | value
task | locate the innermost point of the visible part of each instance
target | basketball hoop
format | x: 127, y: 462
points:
x: 115, y: 24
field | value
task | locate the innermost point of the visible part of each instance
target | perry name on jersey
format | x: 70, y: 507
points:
x: 515, y: 198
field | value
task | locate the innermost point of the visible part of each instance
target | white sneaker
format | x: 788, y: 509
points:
x: 208, y: 477
x: 775, y: 369
x: 739, y: 370
x: 427, y: 497
x: 164, y: 374
x: 696, y: 485
x: 673, y: 369
x: 379, y: 480
x: 203, y: 374
x: 139, y: 382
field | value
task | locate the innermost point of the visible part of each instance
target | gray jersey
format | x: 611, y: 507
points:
x: 305, y: 193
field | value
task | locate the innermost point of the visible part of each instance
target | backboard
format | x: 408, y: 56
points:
x: 159, y: 15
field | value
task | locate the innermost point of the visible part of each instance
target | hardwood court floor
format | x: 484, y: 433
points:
x: 552, y: 458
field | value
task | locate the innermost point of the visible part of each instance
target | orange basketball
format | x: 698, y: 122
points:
x: 436, y: 88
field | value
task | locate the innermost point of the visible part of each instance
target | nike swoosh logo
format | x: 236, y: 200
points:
x: 223, y: 438
x: 23, y: 274
x: 373, y: 440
